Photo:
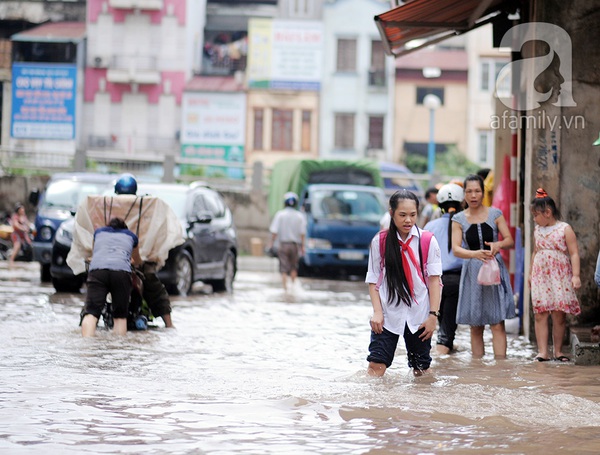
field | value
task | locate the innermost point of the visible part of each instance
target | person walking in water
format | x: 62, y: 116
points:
x: 554, y: 275
x: 110, y: 271
x: 404, y: 287
x: 20, y: 235
x: 288, y: 229
x: 477, y: 228
x: 450, y: 199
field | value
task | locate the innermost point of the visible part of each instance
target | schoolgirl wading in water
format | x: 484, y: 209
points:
x: 405, y: 289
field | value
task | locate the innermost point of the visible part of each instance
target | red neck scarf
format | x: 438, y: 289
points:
x: 405, y: 248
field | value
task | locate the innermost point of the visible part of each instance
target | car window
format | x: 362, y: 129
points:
x: 349, y: 205
x: 209, y: 202
x: 200, y: 205
x: 68, y: 194
x: 217, y: 205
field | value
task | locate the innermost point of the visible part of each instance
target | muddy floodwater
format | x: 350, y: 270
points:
x: 262, y: 372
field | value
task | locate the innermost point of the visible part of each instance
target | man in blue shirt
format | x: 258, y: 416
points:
x: 110, y: 271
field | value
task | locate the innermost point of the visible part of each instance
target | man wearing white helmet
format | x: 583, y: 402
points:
x: 288, y: 229
x: 450, y: 199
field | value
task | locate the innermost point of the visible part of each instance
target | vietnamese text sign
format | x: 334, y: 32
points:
x: 43, y: 101
x: 285, y: 55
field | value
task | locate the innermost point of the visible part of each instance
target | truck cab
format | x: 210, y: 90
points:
x: 341, y: 222
x: 343, y: 202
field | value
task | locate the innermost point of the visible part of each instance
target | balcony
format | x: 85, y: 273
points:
x: 153, y: 5
x: 133, y: 70
x: 224, y: 53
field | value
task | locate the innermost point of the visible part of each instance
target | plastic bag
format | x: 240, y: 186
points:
x: 489, y: 273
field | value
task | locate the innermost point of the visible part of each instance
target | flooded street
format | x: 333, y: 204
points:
x: 262, y: 372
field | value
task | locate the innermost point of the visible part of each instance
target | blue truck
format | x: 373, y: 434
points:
x: 343, y: 202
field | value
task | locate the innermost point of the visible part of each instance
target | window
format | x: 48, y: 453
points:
x: 377, y: 68
x: 485, y: 146
x: 208, y: 203
x: 376, y: 132
x: 28, y: 51
x: 282, y: 129
x: 346, y: 55
x: 344, y: 131
x: 422, y: 92
x: 305, y: 132
x: 489, y: 70
x: 300, y: 8
x: 258, y: 129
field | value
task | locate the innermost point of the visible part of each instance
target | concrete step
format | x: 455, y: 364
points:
x: 584, y: 350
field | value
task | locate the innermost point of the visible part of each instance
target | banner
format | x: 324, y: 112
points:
x: 43, y: 101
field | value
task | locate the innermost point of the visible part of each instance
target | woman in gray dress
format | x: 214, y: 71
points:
x: 480, y: 305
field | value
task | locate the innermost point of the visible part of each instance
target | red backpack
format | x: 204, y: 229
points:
x: 425, y: 239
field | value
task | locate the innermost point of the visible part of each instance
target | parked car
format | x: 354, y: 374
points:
x: 57, y: 203
x: 209, y: 253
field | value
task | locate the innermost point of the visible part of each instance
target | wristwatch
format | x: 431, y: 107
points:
x: 435, y: 313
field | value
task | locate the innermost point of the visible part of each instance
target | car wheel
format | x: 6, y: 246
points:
x: 45, y: 276
x: 184, y: 274
x: 226, y: 284
x: 72, y: 285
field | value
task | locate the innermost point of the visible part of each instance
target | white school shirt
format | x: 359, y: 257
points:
x: 396, y: 317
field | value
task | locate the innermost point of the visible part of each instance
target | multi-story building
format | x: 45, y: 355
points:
x: 442, y: 72
x: 358, y: 85
x: 140, y: 55
x: 19, y: 16
x: 485, y: 63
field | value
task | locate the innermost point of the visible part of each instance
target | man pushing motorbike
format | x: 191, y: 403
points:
x: 154, y: 223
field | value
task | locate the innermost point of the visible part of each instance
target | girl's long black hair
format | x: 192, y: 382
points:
x: 451, y: 207
x: 395, y: 275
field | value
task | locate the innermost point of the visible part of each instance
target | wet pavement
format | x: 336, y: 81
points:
x: 261, y: 371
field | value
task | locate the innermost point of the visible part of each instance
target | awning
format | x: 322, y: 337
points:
x: 434, y: 21
x: 53, y: 32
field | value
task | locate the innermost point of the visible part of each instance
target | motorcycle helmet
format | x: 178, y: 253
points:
x: 290, y: 199
x: 126, y: 184
x: 450, y: 192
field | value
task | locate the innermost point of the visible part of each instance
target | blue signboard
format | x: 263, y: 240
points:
x: 43, y: 101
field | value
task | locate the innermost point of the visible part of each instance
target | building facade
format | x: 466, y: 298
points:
x: 357, y: 117
x: 140, y: 55
x: 440, y: 72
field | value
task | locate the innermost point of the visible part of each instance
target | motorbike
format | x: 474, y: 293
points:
x: 139, y: 314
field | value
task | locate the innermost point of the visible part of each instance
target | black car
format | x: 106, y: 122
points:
x: 209, y: 253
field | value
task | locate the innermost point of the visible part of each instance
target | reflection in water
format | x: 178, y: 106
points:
x: 260, y: 372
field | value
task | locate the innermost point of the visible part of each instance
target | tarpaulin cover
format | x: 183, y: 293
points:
x: 157, y: 226
x: 294, y: 175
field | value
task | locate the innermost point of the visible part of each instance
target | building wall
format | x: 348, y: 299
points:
x: 267, y: 100
x: 350, y: 92
x: 481, y: 102
x: 412, y: 119
x: 562, y: 159
x: 135, y: 79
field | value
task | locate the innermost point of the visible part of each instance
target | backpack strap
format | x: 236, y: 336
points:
x: 424, y: 243
x: 382, y: 237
